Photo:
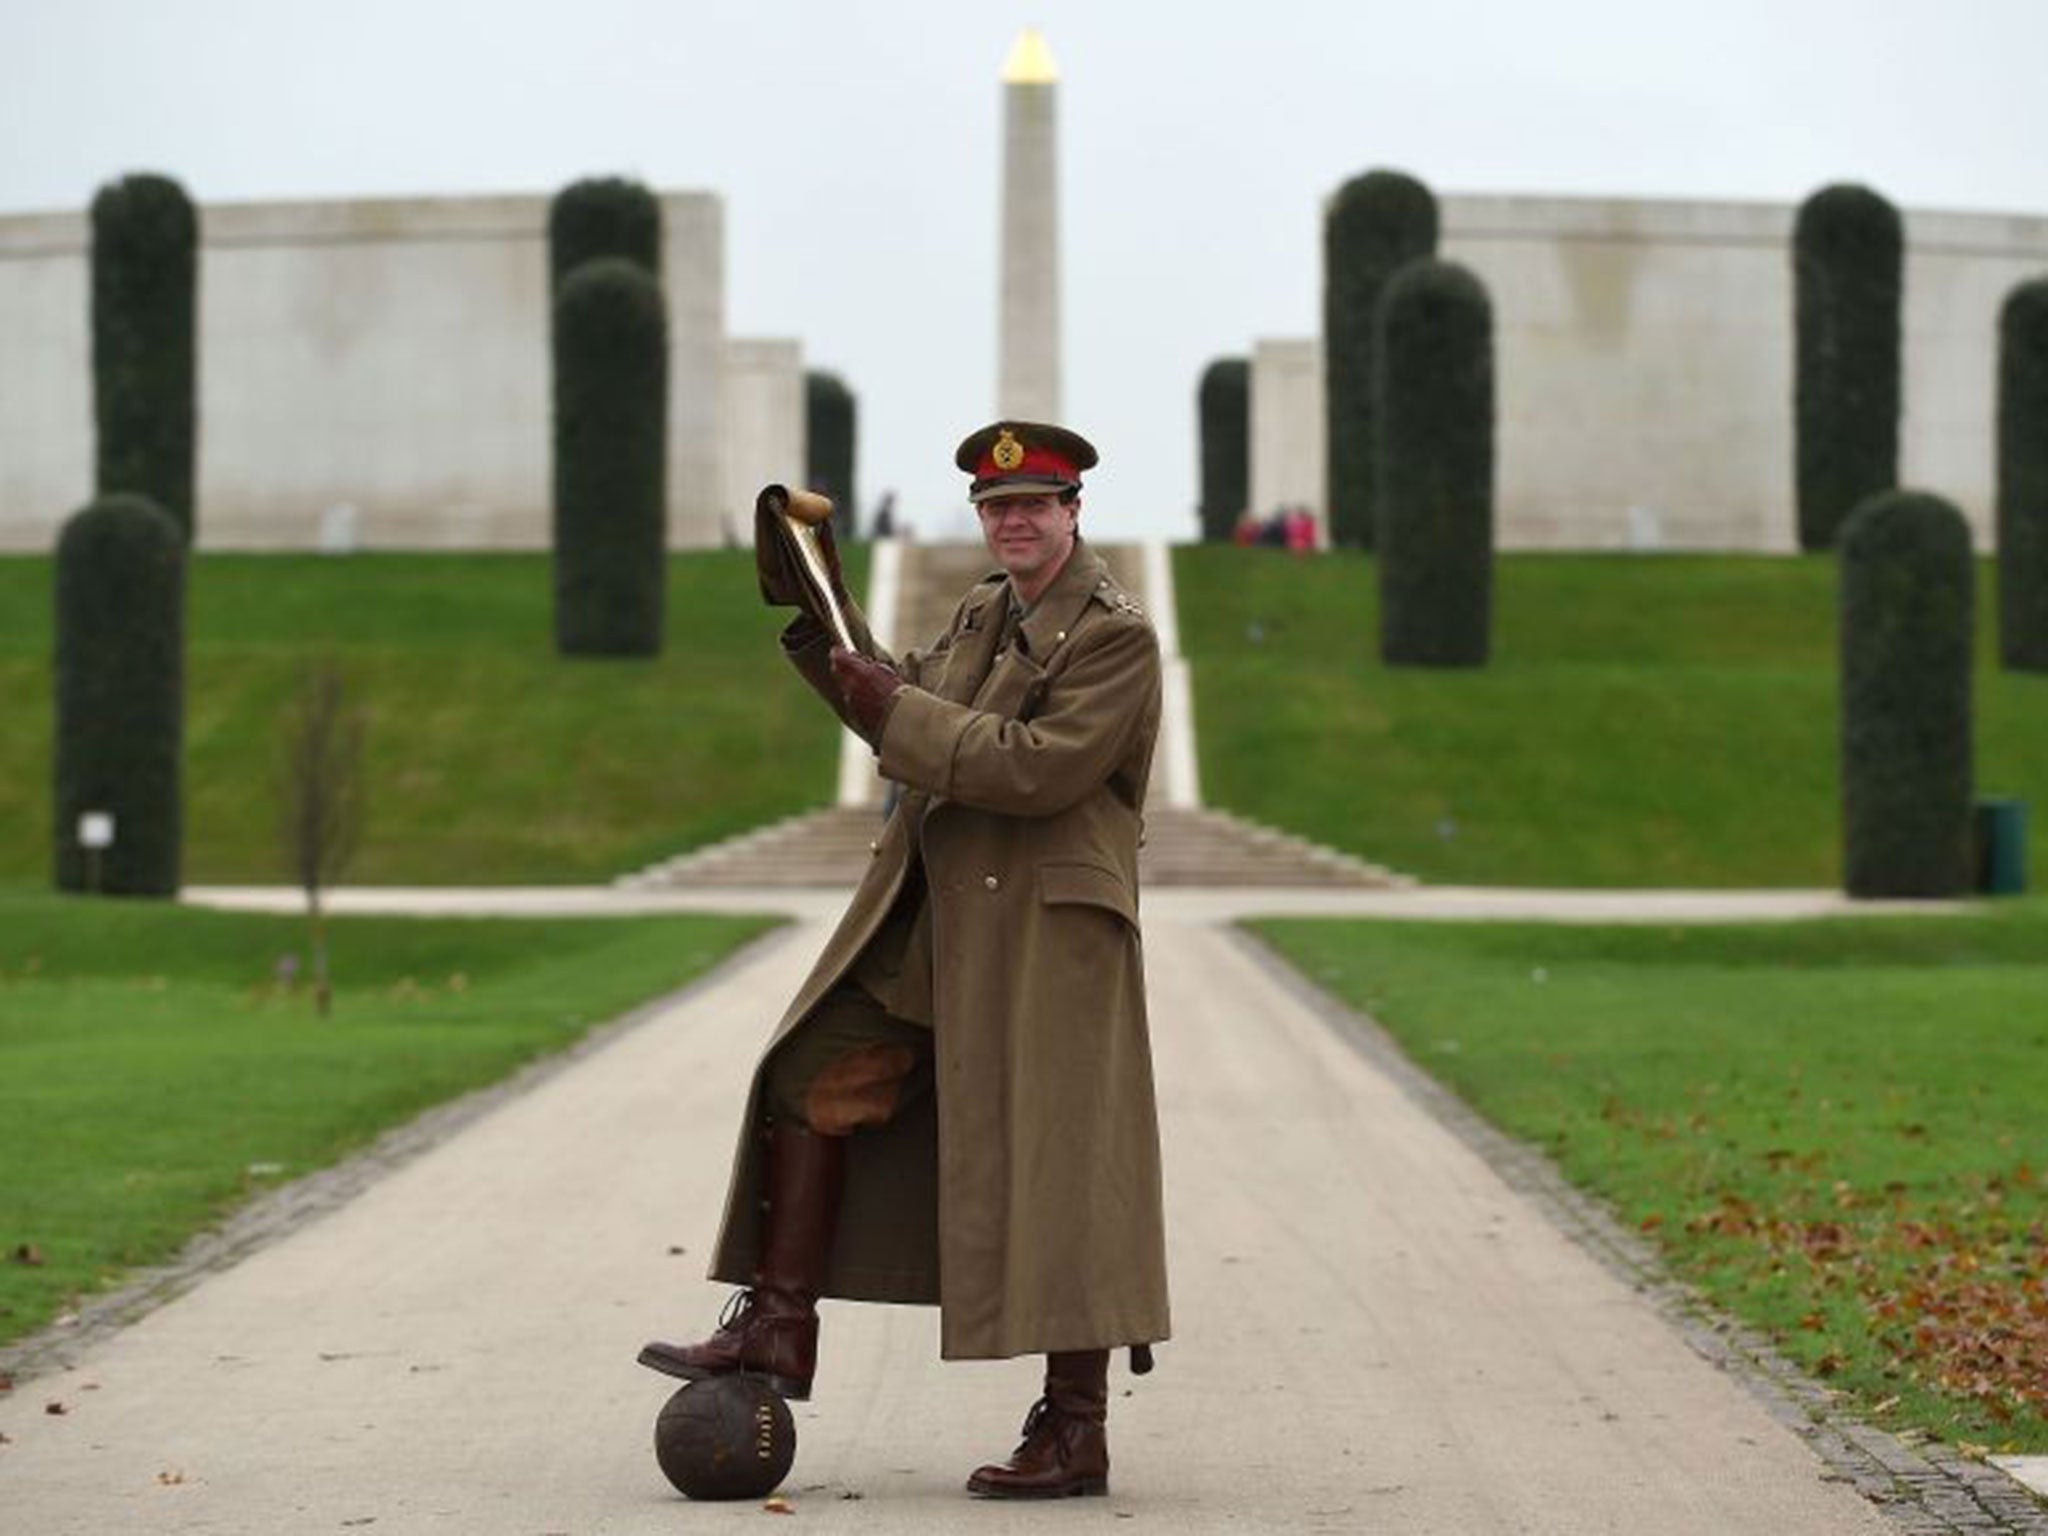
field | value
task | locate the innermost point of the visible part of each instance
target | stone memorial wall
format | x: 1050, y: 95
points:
x: 764, y: 414
x: 1643, y: 362
x: 371, y: 374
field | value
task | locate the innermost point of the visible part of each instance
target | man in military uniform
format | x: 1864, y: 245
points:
x: 958, y: 1106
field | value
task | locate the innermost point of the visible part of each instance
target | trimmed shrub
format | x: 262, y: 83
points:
x: 829, y: 423
x: 1434, y: 412
x: 1223, y: 411
x: 145, y: 280
x: 611, y: 413
x: 1375, y: 225
x: 120, y: 612
x: 602, y: 216
x: 2023, y: 478
x: 1905, y: 646
x: 1848, y: 254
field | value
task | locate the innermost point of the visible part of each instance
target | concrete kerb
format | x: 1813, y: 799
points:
x: 1924, y: 1489
x: 1427, y: 903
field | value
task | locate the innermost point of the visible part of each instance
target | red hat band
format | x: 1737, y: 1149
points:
x: 1008, y: 459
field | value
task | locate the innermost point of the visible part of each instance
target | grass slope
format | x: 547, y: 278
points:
x: 1834, y: 1129
x: 1646, y: 721
x: 152, y: 1074
x: 489, y: 759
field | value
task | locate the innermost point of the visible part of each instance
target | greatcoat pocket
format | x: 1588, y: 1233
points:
x: 1092, y: 885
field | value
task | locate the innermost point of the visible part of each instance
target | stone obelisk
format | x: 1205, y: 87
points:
x: 1028, y: 370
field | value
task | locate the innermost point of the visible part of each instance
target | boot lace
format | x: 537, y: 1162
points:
x: 738, y: 1312
x: 1035, y: 1420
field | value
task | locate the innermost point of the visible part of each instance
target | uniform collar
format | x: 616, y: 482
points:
x: 1060, y: 604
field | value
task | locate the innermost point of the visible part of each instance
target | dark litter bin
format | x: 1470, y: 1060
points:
x: 2001, y: 847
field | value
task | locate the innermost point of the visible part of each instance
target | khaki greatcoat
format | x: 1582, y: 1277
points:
x: 1024, y: 1196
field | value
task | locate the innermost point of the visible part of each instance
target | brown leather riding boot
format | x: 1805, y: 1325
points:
x: 1066, y: 1441
x: 771, y: 1328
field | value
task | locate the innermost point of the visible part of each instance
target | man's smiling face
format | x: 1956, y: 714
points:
x: 1030, y: 535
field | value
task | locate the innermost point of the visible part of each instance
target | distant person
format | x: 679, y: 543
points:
x: 1300, y: 530
x: 958, y: 1107
x: 884, y: 524
x: 1245, y: 532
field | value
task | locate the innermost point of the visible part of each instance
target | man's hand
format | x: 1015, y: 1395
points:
x: 868, y: 688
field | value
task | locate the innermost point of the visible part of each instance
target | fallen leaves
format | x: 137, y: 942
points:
x: 1977, y: 1323
x: 778, y: 1506
x: 55, y: 1408
x: 1959, y: 1298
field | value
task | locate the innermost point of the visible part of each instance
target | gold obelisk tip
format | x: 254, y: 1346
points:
x: 1030, y: 61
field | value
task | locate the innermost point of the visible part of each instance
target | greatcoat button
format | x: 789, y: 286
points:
x: 990, y: 881
x: 875, y: 849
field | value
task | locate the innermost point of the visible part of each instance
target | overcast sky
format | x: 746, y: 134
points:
x: 857, y: 144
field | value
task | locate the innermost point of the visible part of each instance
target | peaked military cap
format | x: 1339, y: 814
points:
x: 1021, y: 458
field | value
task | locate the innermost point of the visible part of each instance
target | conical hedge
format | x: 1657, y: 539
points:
x: 1906, y: 601
x: 120, y: 606
x: 1375, y: 225
x: 603, y: 216
x: 1848, y: 260
x: 1223, y: 410
x: 145, y: 298
x: 830, y: 422
x: 2023, y: 478
x: 1434, y: 411
x: 611, y: 411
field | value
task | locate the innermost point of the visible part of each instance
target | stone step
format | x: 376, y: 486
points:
x: 932, y: 580
x: 831, y: 848
x: 934, y: 577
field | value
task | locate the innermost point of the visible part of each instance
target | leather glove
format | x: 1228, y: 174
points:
x: 868, y: 687
x: 780, y: 567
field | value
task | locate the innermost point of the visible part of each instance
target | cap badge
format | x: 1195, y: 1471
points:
x: 1008, y: 452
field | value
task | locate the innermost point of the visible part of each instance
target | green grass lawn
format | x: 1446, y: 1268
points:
x: 1834, y: 1129
x: 153, y: 1073
x: 489, y: 758
x: 1647, y: 720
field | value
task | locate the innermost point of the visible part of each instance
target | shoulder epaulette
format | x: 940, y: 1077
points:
x: 1117, y: 600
